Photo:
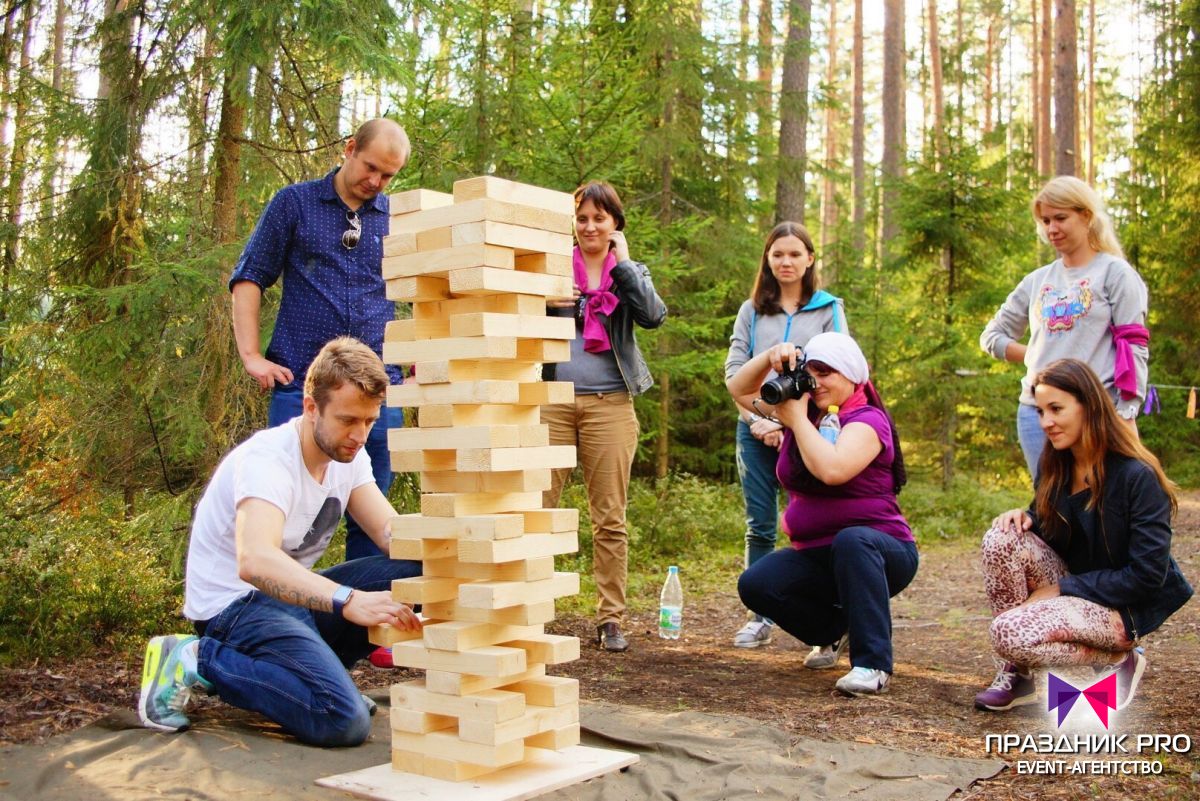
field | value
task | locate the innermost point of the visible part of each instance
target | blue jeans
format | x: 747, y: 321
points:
x: 760, y: 491
x: 288, y: 402
x: 819, y: 594
x: 1031, y: 436
x: 289, y: 663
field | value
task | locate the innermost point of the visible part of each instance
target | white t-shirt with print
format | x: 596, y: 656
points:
x: 270, y: 466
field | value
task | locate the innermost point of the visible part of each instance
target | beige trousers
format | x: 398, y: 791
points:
x: 604, y: 430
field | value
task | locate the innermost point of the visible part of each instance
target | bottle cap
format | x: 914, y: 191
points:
x: 673, y: 569
x: 833, y: 408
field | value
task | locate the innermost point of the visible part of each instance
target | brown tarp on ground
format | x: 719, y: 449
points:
x: 684, y: 755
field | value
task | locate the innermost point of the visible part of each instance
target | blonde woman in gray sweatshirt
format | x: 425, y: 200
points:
x: 1088, y: 304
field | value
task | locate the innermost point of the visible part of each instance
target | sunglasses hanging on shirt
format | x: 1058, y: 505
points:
x: 350, y: 238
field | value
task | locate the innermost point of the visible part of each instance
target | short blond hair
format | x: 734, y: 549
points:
x: 1068, y: 192
x: 345, y: 360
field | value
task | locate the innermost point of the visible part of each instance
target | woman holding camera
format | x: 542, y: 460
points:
x: 784, y: 306
x: 1086, y: 571
x: 612, y: 292
x: 852, y: 549
x: 1088, y: 303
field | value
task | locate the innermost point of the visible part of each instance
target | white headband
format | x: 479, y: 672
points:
x: 840, y: 352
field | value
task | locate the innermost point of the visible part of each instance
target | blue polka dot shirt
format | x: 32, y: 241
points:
x: 328, y: 289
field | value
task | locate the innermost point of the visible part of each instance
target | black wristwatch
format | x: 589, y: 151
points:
x: 341, y: 597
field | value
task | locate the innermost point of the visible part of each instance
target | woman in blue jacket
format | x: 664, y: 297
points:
x: 784, y: 306
x: 1086, y: 572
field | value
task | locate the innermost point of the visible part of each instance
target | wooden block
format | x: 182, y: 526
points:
x: 518, y: 481
x: 448, y: 746
x: 522, y: 326
x: 499, y: 594
x: 482, y: 528
x: 547, y: 690
x: 495, y: 304
x: 519, y: 239
x: 415, y: 439
x: 491, y: 705
x: 546, y: 263
x: 418, y: 461
x: 417, y: 289
x: 463, y: 635
x: 487, y: 280
x: 446, y: 770
x: 533, y: 721
x: 414, y: 200
x: 385, y: 636
x: 548, y: 649
x: 490, y: 186
x: 422, y: 549
x: 440, y: 681
x: 414, y: 722
x: 491, y: 660
x: 545, y: 393
x: 425, y: 589
x: 399, y: 244
x: 543, y: 350
x: 480, y: 460
x: 426, y: 350
x: 413, y: 330
x: 557, y: 739
x: 537, y: 569
x: 476, y: 414
x: 532, y: 614
x: 551, y: 520
x: 485, y: 209
x: 435, y: 239
x: 527, y: 547
x: 455, y: 504
x: 443, y: 372
x: 460, y: 392
x: 437, y: 263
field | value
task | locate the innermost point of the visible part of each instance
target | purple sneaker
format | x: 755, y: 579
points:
x: 1129, y: 675
x: 1010, y: 688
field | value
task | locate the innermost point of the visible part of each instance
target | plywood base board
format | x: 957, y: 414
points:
x: 545, y: 772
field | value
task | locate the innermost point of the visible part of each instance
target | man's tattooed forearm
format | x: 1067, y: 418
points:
x: 292, y: 595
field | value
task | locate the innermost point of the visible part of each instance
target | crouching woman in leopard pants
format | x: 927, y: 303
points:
x: 1086, y: 571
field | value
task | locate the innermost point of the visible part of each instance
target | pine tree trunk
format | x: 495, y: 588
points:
x: 829, y: 210
x: 764, y: 109
x: 1091, y: 94
x: 793, y: 114
x: 228, y: 155
x: 14, y: 194
x: 1065, y: 85
x: 939, y: 107
x: 893, y: 119
x: 989, y: 72
x: 1045, y: 137
x: 1035, y: 88
x: 857, y: 146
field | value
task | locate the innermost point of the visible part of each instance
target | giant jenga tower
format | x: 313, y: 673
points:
x: 478, y: 267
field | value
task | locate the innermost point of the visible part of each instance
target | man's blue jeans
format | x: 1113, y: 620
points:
x: 1031, y: 436
x: 760, y: 491
x: 288, y: 402
x: 289, y: 663
x: 819, y: 594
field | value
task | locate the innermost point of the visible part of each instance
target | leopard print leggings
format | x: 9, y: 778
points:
x: 1056, y: 631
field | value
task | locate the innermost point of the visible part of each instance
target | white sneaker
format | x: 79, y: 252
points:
x: 864, y: 681
x: 753, y: 634
x: 823, y: 657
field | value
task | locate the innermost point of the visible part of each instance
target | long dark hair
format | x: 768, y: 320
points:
x: 1103, y: 433
x: 765, y: 294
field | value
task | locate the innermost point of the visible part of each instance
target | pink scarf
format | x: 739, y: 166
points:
x: 1124, y: 371
x: 596, y: 301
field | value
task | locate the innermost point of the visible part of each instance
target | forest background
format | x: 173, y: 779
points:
x: 140, y: 141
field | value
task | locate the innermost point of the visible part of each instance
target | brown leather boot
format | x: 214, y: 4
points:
x: 610, y: 637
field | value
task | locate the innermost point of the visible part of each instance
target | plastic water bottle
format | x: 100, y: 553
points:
x: 831, y: 424
x: 670, y: 609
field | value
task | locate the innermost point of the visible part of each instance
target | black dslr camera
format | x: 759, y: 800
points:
x: 787, y: 385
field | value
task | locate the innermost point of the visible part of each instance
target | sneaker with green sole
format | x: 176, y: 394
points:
x: 168, y: 678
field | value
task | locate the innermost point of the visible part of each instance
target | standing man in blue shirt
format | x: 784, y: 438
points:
x: 325, y: 238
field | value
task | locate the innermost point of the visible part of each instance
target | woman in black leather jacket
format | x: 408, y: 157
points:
x: 1086, y: 571
x: 612, y: 293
